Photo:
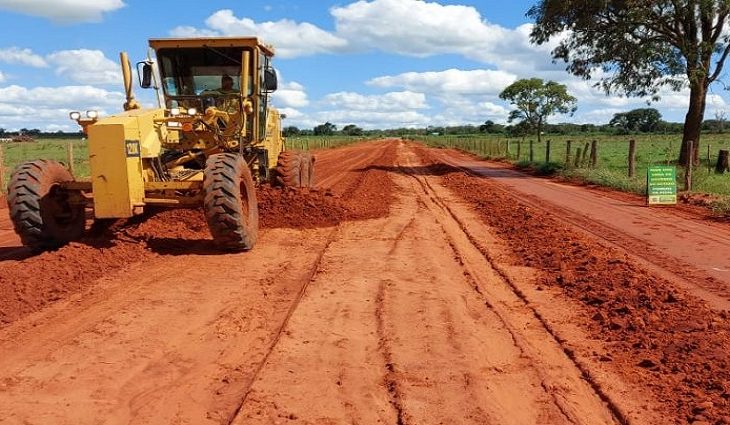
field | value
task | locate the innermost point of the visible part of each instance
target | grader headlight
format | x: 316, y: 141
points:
x: 75, y: 115
x: 92, y: 114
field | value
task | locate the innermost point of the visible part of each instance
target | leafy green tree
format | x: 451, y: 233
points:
x: 536, y: 100
x: 326, y: 129
x: 487, y: 127
x: 352, y: 130
x: 636, y: 47
x: 291, y: 131
x: 643, y: 119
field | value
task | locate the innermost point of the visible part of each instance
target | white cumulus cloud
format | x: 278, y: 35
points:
x: 86, y: 67
x: 47, y: 108
x: 291, y: 39
x: 291, y: 95
x: 454, y: 81
x: 64, y: 11
x: 18, y: 56
x: 394, y: 101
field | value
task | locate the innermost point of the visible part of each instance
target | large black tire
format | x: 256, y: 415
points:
x: 39, y: 207
x: 311, y: 180
x: 295, y: 169
x: 231, y: 209
x: 288, y: 169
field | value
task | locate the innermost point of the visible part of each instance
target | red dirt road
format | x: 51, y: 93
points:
x: 386, y: 297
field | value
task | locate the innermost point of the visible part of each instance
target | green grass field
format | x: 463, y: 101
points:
x: 612, y: 167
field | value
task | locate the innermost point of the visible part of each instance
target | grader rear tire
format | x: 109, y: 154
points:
x: 311, y: 180
x: 295, y: 169
x: 230, y: 205
x: 39, y: 207
x: 288, y: 168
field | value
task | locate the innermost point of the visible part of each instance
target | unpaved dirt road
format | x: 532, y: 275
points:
x: 392, y: 299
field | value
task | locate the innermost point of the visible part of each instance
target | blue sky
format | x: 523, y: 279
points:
x: 373, y: 63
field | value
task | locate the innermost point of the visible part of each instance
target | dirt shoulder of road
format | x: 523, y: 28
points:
x: 654, y: 335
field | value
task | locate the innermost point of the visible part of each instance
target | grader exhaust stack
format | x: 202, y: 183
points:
x: 209, y: 145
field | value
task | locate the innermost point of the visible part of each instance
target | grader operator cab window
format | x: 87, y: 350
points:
x: 191, y: 73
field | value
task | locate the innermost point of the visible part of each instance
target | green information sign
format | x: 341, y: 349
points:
x: 661, y: 185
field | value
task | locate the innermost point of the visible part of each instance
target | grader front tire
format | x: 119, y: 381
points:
x: 39, y: 207
x: 231, y: 209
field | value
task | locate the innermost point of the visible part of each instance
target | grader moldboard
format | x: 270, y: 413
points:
x: 208, y: 144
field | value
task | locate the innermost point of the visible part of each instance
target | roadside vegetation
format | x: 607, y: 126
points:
x: 612, y: 159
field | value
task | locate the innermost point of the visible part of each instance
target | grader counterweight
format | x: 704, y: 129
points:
x: 212, y: 139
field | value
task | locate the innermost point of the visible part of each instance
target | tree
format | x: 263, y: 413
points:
x: 326, y: 129
x: 536, y: 100
x: 643, y: 119
x: 352, y: 130
x: 720, y: 116
x: 487, y: 126
x: 291, y: 131
x: 637, y: 47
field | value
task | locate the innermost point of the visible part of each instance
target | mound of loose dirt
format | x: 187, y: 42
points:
x: 292, y: 208
x: 653, y: 333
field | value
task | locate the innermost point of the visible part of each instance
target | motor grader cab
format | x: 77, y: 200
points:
x: 212, y: 139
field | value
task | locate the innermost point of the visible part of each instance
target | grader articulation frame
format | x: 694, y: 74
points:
x: 208, y: 144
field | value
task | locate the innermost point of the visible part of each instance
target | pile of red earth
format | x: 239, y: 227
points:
x: 654, y: 334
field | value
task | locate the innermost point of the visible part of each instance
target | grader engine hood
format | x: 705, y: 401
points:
x: 117, y: 147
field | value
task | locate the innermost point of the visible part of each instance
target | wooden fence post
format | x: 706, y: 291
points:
x: 2, y: 170
x: 594, y: 154
x: 584, y: 158
x: 532, y: 150
x: 547, y: 151
x: 688, y: 167
x: 709, y: 165
x: 632, y: 158
x: 568, y: 151
x: 519, y: 149
x: 723, y: 161
x: 70, y: 157
x: 577, y: 157
x: 506, y: 149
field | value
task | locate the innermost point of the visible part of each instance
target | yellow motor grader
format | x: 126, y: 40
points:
x: 212, y: 139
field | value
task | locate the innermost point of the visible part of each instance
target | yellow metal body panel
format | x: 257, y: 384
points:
x: 117, y: 146
x: 273, y: 141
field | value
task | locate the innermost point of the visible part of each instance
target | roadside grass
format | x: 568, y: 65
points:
x: 16, y: 153
x: 305, y: 143
x: 612, y: 165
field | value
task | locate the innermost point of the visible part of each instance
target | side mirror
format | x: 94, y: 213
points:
x: 270, y: 81
x: 145, y: 77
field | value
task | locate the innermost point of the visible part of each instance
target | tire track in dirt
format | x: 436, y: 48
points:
x: 655, y: 338
x: 399, y: 335
x: 280, y: 329
x: 518, y: 339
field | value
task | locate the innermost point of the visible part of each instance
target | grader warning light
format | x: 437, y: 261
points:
x: 214, y: 137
